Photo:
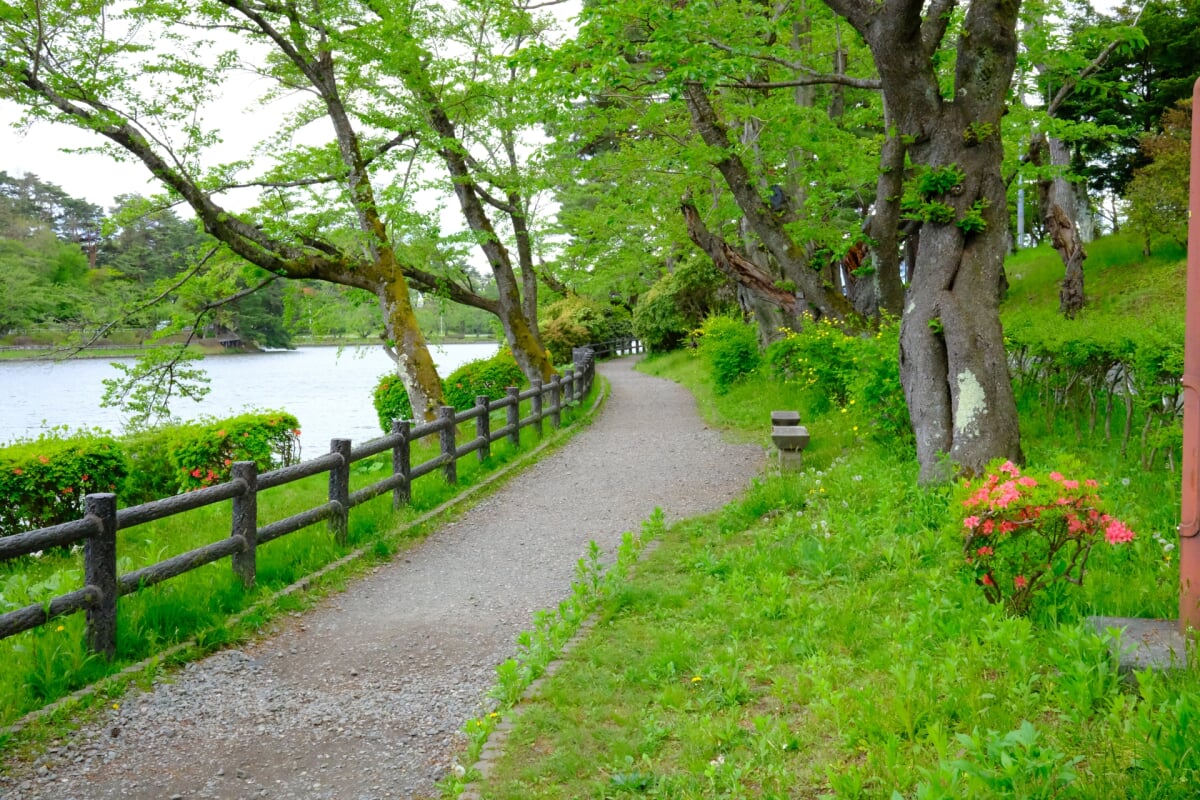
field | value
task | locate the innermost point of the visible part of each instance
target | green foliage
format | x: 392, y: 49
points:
x: 178, y: 458
x: 677, y: 304
x: 576, y: 320
x: 855, y: 374
x: 485, y: 376
x: 1158, y: 194
x: 147, y: 386
x: 391, y: 401
x: 43, y: 481
x: 931, y: 183
x: 730, y: 346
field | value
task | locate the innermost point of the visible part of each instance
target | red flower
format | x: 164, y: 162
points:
x: 984, y: 551
x: 1020, y: 582
x: 43, y: 459
x: 196, y: 472
x: 987, y: 580
x: 18, y: 471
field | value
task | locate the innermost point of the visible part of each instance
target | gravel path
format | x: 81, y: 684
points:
x: 363, y: 695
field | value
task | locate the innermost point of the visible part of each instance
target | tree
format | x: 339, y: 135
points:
x: 724, y: 106
x: 953, y: 364
x: 1158, y: 193
x: 337, y: 212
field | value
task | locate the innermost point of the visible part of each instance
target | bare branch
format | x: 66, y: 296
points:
x: 813, y: 80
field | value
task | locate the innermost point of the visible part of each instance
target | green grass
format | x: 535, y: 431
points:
x: 47, y: 663
x: 818, y: 637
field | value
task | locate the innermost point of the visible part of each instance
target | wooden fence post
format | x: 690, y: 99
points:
x: 514, y: 415
x: 450, y: 469
x: 568, y: 386
x: 483, y: 426
x: 555, y: 402
x: 402, y: 463
x: 100, y: 574
x: 245, y: 521
x: 339, y: 490
x: 535, y: 407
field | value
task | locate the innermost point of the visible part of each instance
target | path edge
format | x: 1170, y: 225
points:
x: 122, y: 677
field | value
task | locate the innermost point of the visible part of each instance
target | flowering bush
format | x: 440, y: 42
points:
x: 1025, y: 531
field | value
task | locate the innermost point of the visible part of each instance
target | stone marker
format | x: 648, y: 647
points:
x: 791, y: 441
x: 783, y: 418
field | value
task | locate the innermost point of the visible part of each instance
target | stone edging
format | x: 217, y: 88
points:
x: 301, y: 585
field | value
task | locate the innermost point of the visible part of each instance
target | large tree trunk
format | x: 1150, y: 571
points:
x: 883, y: 228
x: 953, y: 364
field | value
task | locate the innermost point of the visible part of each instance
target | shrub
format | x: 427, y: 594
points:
x: 575, y: 321
x: 206, y: 452
x: 677, y: 304
x: 391, y: 401
x: 1024, y: 532
x: 43, y: 481
x: 177, y: 458
x: 731, y: 348
x: 487, y: 376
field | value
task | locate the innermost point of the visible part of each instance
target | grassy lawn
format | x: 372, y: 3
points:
x: 821, y: 637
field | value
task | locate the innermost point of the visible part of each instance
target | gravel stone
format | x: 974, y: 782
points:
x: 364, y: 695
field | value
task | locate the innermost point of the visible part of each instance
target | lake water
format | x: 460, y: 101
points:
x: 327, y: 388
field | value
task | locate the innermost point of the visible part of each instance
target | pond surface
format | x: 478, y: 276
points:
x: 327, y: 388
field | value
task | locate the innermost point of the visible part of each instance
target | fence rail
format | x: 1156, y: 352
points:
x: 97, y: 530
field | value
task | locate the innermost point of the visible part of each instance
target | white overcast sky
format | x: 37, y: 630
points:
x: 98, y: 179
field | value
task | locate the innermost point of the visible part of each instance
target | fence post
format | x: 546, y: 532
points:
x: 568, y: 386
x: 555, y: 402
x: 339, y: 490
x: 483, y: 426
x: 450, y: 469
x: 100, y: 573
x: 402, y: 463
x: 535, y: 407
x: 514, y: 415
x: 245, y: 521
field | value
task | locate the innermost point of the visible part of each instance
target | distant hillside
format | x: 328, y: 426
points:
x: 1122, y: 286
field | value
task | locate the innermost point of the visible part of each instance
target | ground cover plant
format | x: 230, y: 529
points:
x: 47, y: 663
x: 824, y: 637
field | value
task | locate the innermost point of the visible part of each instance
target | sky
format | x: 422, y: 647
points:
x: 98, y: 178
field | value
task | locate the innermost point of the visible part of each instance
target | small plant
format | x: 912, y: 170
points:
x: 1024, y: 532
x: 731, y: 348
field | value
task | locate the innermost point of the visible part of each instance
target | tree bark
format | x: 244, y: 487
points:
x: 1057, y: 200
x: 767, y: 226
x: 520, y: 331
x: 953, y: 364
x: 750, y: 277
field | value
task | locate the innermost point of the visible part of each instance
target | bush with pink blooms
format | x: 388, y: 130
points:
x: 1025, y: 530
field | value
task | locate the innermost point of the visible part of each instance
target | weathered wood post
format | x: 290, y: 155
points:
x: 402, y: 463
x: 483, y: 426
x: 339, y: 490
x: 535, y: 407
x: 450, y: 468
x: 568, y: 386
x: 100, y: 574
x: 514, y: 415
x: 245, y: 521
x: 555, y: 402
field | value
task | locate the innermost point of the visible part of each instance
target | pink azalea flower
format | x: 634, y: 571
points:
x: 988, y: 526
x: 971, y: 521
x: 1070, y: 484
x: 1056, y: 476
x: 1118, y: 532
x: 1020, y: 582
x: 1010, y: 468
x: 1027, y: 481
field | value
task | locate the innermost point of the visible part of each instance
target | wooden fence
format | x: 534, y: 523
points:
x: 98, y: 528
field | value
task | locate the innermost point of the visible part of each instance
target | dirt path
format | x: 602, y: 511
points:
x: 361, y: 697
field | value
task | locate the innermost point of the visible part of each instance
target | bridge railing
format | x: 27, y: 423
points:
x: 97, y: 530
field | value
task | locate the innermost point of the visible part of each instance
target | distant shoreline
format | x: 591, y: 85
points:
x: 17, y: 353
